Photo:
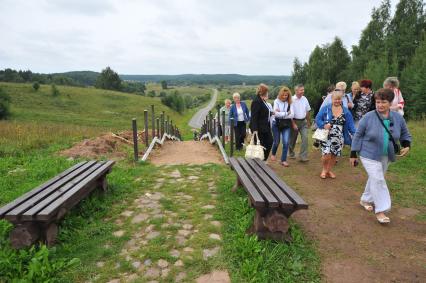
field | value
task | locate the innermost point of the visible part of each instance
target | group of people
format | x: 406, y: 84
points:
x: 371, y: 123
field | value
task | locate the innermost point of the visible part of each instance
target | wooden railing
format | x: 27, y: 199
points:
x: 162, y: 128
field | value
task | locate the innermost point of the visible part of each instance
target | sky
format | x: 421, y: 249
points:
x: 173, y: 37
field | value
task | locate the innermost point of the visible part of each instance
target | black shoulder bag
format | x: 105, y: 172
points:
x: 396, y: 146
x: 283, y: 123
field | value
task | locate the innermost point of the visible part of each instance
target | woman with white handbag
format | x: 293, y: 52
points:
x: 335, y: 123
x: 260, y: 119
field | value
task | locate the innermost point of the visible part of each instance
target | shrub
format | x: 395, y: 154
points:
x: 36, y: 86
x: 55, y: 90
x: 4, y: 105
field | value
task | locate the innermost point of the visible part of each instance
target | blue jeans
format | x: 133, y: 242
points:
x: 285, y: 136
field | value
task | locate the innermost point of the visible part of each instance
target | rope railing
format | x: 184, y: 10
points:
x: 162, y: 128
x: 210, y: 130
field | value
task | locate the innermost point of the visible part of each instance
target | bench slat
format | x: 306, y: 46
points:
x: 254, y: 195
x: 36, y: 190
x: 287, y: 190
x: 50, y: 210
x: 271, y: 185
x: 263, y: 190
x: 16, y: 212
x: 31, y: 213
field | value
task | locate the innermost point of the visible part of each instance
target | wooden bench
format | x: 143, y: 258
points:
x: 273, y: 199
x: 36, y: 213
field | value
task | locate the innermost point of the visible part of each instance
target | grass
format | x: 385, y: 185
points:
x: 88, y: 107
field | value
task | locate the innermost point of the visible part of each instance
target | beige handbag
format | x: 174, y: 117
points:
x: 255, y: 150
x: 320, y: 135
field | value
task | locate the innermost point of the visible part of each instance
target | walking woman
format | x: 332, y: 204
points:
x: 226, y: 108
x: 239, y: 111
x: 338, y: 120
x: 281, y: 124
x: 363, y: 102
x: 397, y: 104
x: 376, y: 143
x: 261, y: 114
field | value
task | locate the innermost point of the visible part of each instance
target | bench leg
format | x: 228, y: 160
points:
x: 103, y: 183
x: 50, y: 234
x: 237, y: 184
x: 271, y: 224
x: 24, y: 235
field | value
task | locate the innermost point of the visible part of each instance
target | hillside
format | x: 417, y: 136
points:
x: 81, y: 106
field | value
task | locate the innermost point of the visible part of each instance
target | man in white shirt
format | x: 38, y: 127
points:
x: 301, y: 123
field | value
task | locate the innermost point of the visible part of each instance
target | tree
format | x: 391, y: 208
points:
x: 338, y: 61
x: 413, y: 83
x: 36, y: 86
x: 4, y: 105
x: 163, y: 84
x: 108, y: 79
x: 298, y: 75
x: 151, y: 93
x: 405, y: 31
x: 372, y: 42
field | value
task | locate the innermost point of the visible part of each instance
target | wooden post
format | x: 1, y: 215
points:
x: 211, y: 122
x: 171, y: 127
x: 158, y: 128
x: 223, y: 128
x: 218, y: 121
x: 232, y: 137
x: 214, y: 127
x: 162, y: 124
x: 153, y: 121
x: 135, y: 139
x: 145, y: 115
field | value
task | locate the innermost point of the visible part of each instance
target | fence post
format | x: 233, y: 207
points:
x: 145, y: 115
x: 211, y: 122
x: 135, y: 139
x: 158, y: 128
x: 171, y: 127
x: 218, y: 121
x: 223, y: 128
x: 232, y: 137
x: 162, y: 124
x: 214, y: 127
x: 153, y: 120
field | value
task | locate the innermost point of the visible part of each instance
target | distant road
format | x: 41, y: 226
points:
x: 197, y: 120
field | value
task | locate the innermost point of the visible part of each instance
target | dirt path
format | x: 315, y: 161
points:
x: 187, y: 152
x: 352, y: 245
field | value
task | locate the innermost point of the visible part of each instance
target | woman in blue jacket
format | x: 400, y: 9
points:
x: 376, y: 142
x: 240, y: 113
x: 338, y: 120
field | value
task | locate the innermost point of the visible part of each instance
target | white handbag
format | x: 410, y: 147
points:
x: 254, y: 150
x: 321, y: 134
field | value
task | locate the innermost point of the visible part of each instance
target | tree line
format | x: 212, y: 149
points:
x: 388, y: 46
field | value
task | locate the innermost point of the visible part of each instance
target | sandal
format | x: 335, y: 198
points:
x: 323, y: 175
x: 366, y: 206
x: 383, y: 220
x: 285, y: 164
x: 331, y: 175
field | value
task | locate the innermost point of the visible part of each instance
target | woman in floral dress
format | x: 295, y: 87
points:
x: 338, y: 120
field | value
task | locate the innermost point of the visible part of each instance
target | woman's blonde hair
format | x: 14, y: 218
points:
x: 341, y: 85
x: 236, y: 94
x: 283, y: 91
x: 336, y: 94
x: 228, y: 100
x: 356, y: 84
x: 262, y: 90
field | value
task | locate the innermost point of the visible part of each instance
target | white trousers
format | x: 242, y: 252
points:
x: 376, y: 190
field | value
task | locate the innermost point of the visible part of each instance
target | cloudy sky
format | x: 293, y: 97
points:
x: 173, y: 37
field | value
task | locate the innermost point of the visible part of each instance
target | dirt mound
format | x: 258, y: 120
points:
x: 112, y: 145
